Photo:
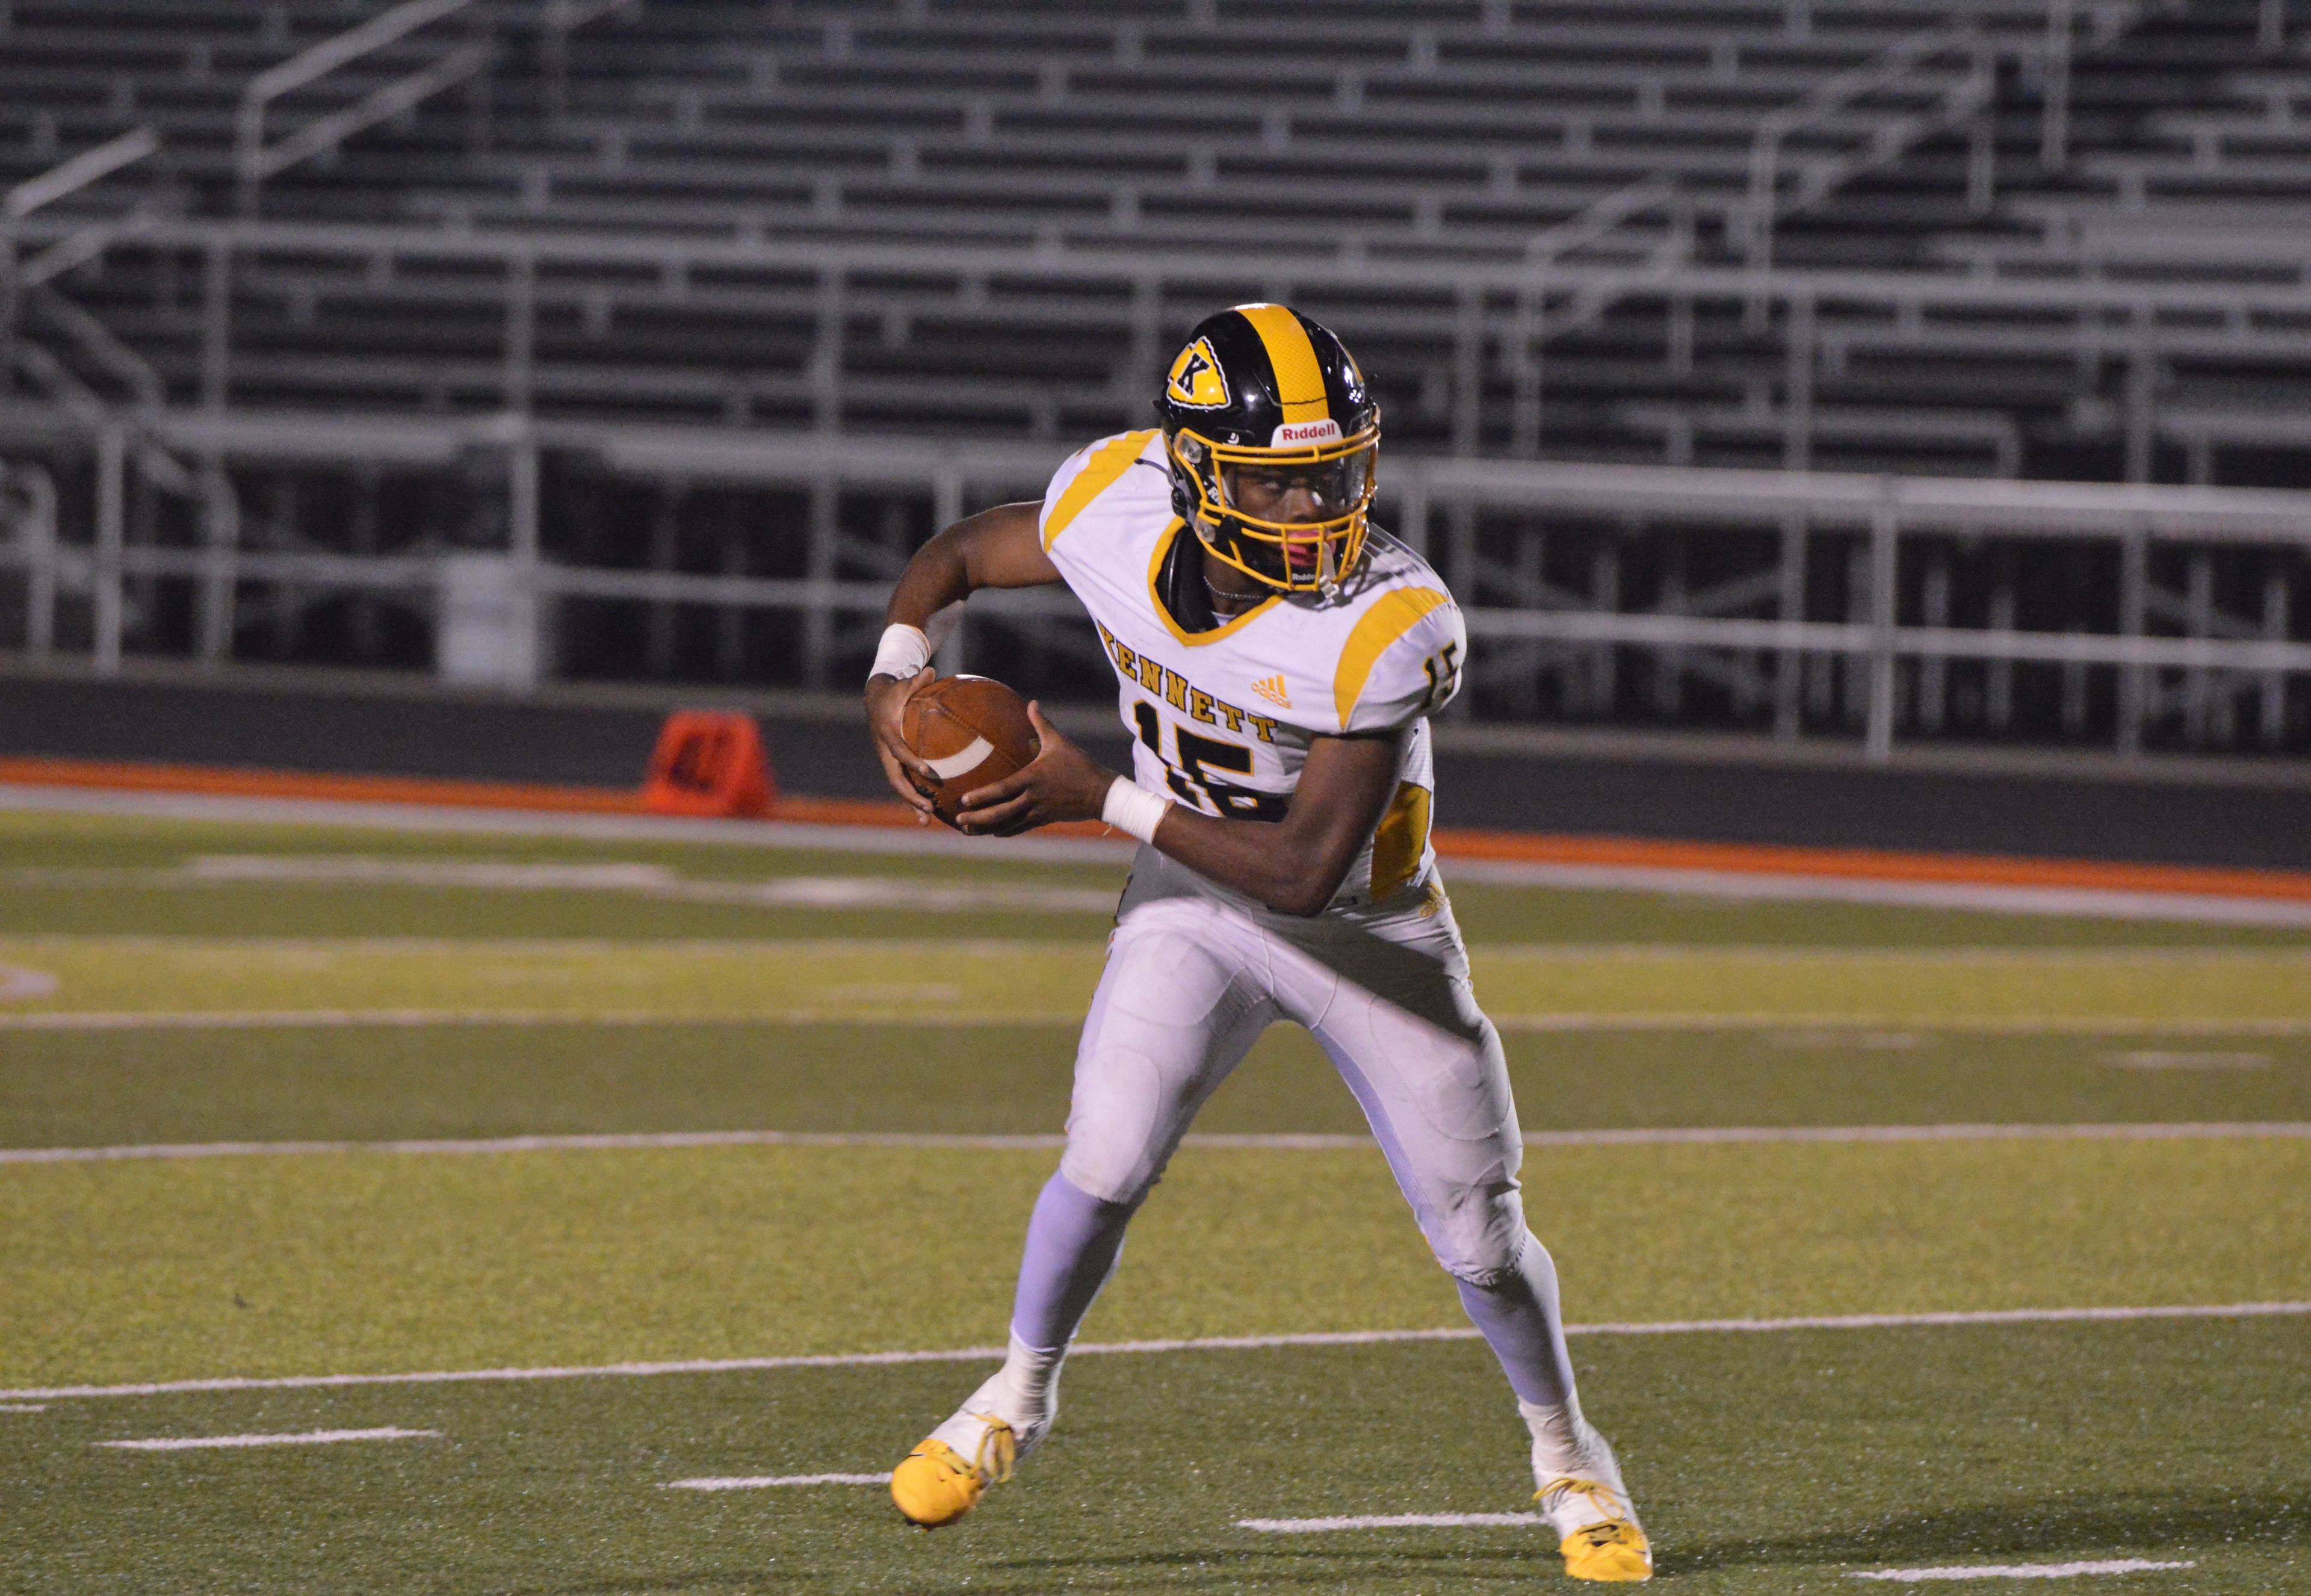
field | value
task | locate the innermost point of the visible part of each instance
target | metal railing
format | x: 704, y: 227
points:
x: 122, y: 429
x: 1899, y: 67
x: 28, y: 515
x: 1485, y: 319
x: 254, y: 160
x: 84, y: 243
x: 70, y: 175
x: 1424, y: 497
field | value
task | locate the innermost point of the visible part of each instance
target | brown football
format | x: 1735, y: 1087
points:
x: 973, y: 732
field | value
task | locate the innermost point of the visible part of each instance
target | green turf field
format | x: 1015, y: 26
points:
x: 173, y: 982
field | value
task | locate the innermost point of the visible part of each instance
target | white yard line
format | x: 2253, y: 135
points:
x: 1714, y: 1135
x: 855, y: 892
x: 1760, y: 886
x: 915, y: 894
x: 22, y: 986
x: 541, y: 1144
x: 2019, y: 1570
x: 1986, y: 1024
x: 304, y: 1438
x: 1673, y: 1327
x: 442, y: 819
x: 1274, y: 1141
x: 1775, y: 1020
x: 1960, y: 955
x: 2152, y: 1060
x: 400, y: 1018
x: 853, y: 1360
x: 1397, y: 1521
x: 761, y: 1482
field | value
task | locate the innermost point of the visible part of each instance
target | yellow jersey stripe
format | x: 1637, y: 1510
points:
x: 1391, y: 617
x: 1399, y: 841
x: 1108, y: 462
x: 1299, y: 378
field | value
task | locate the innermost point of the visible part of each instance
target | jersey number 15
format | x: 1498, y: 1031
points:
x: 1191, y: 776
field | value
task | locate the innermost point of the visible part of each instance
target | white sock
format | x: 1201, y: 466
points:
x: 1024, y: 1393
x: 1556, y: 1435
x: 1567, y: 1446
x: 1028, y: 1387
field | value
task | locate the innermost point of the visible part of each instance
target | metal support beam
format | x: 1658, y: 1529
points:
x: 1469, y: 374
x: 947, y: 509
x: 1605, y: 595
x: 523, y: 510
x: 1933, y: 672
x: 818, y: 622
x: 111, y: 537
x: 2199, y: 621
x: 1800, y: 354
x: 216, y: 324
x: 826, y: 355
x: 1998, y: 687
x: 521, y: 333
x: 1680, y: 335
x: 2133, y: 607
x: 2272, y: 721
x: 2142, y: 404
x: 220, y: 541
x: 39, y: 524
x: 1982, y: 162
x: 1884, y: 531
x: 2054, y: 112
x: 1526, y: 354
x: 658, y: 618
x: 1788, y: 714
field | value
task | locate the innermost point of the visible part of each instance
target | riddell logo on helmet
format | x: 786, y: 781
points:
x: 1305, y: 432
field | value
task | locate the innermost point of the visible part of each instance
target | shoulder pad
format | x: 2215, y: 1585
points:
x: 1087, y: 473
x: 1401, y: 661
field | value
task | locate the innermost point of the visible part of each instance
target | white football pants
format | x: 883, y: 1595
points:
x: 1193, y: 978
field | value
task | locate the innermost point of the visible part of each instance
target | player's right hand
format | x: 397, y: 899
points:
x: 887, y: 708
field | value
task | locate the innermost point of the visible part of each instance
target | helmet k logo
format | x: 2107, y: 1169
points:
x: 1196, y: 378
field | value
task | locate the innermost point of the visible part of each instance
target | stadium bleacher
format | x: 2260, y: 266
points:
x: 1826, y: 236
x: 1406, y: 137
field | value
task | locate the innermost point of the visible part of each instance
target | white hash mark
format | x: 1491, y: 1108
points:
x: 1393, y: 1521
x: 756, y: 1482
x: 2020, y: 1570
x: 304, y: 1438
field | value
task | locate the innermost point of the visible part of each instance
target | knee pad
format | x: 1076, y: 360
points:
x: 1479, y: 1237
x: 1120, y: 1135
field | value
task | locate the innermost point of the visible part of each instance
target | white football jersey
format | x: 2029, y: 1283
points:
x: 1221, y: 719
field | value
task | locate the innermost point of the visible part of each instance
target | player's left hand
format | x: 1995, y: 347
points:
x: 1062, y: 782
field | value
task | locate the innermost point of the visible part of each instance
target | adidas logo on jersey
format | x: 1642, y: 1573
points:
x: 1271, y: 688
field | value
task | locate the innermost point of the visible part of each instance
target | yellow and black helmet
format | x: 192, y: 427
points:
x: 1273, y: 437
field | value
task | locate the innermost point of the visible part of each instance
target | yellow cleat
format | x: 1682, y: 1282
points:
x: 1609, y: 1552
x: 1609, y: 1548
x: 934, y: 1486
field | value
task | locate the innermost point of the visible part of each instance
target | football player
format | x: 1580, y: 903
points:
x: 1279, y: 658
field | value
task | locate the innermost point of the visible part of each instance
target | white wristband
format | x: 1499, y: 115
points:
x: 904, y: 651
x: 1132, y: 809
